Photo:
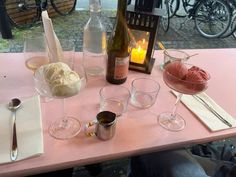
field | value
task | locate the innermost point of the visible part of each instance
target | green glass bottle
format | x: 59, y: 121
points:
x: 117, y: 48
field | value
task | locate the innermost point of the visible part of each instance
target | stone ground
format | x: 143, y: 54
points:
x: 72, y: 26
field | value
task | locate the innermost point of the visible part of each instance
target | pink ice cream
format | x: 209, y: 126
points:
x: 177, y: 69
x: 196, y: 74
x: 184, y: 80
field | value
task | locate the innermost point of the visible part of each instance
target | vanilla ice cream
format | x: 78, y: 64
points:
x: 62, y: 81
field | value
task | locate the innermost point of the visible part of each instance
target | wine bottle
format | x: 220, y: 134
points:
x: 117, y: 48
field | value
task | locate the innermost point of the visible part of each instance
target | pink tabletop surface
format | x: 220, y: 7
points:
x: 137, y: 130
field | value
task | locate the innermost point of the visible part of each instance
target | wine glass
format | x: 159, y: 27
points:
x: 185, y: 79
x: 67, y: 126
x: 35, y: 54
x: 172, y: 55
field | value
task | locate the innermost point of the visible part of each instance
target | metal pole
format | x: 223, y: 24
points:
x: 5, y: 27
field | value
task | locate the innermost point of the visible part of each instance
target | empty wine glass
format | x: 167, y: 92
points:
x: 35, y: 54
x: 185, y: 79
x: 67, y: 126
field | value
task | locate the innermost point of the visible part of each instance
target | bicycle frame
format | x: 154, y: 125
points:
x: 191, y: 11
x: 186, y: 3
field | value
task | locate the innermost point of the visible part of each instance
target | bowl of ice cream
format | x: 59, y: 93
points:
x: 185, y: 78
x: 57, y: 80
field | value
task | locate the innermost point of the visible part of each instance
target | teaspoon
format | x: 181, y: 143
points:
x: 13, y: 105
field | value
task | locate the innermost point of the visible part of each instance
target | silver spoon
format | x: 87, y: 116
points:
x: 13, y: 105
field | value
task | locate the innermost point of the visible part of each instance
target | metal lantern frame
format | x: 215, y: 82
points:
x: 145, y: 22
x: 145, y: 5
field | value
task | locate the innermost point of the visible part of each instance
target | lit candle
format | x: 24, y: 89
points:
x: 138, y: 55
x: 142, y: 44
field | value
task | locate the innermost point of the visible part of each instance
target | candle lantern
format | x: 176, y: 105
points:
x: 142, y: 28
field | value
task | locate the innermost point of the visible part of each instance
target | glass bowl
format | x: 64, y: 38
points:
x: 184, y: 78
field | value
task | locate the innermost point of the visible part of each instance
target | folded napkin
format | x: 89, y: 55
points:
x: 54, y: 46
x: 208, y: 118
x: 28, y: 128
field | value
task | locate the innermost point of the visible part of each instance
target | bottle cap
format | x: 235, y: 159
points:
x: 95, y: 5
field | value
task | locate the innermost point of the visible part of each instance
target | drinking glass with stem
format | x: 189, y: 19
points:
x: 171, y: 120
x: 67, y: 126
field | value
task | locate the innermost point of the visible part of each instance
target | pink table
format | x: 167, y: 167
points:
x: 137, y: 130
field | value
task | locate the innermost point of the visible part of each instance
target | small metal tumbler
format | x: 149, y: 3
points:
x: 105, y: 125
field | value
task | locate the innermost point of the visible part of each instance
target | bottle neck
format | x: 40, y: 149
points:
x: 121, y: 10
x: 119, y: 39
x: 94, y: 15
x: 94, y: 7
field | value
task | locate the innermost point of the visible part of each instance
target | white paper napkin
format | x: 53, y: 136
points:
x: 54, y: 46
x: 28, y: 128
x: 208, y: 118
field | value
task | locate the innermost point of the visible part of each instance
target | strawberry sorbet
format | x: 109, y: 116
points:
x: 177, y: 69
x: 196, y: 74
x: 184, y: 80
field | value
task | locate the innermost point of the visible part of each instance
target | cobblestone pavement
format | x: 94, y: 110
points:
x: 72, y: 26
x: 184, y: 35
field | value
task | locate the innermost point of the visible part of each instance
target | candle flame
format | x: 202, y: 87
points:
x: 139, y: 48
x: 144, y: 41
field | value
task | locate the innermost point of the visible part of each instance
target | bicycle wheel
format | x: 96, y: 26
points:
x: 173, y: 7
x: 19, y: 16
x: 233, y: 26
x: 63, y: 7
x: 212, y: 18
x: 165, y: 19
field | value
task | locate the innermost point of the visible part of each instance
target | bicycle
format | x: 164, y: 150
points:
x: 175, y: 7
x: 165, y: 18
x: 212, y: 18
x: 24, y: 13
x: 233, y: 25
x: 232, y: 29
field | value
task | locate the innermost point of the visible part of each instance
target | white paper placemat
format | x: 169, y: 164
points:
x: 28, y: 127
x: 204, y: 115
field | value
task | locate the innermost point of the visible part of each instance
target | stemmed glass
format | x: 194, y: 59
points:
x: 34, y: 50
x: 67, y: 126
x: 183, y: 78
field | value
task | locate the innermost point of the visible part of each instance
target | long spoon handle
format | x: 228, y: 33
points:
x: 14, y: 151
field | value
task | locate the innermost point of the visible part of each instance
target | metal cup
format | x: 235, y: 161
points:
x: 105, y: 125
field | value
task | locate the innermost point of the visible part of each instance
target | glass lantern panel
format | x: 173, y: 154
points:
x: 139, y: 46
